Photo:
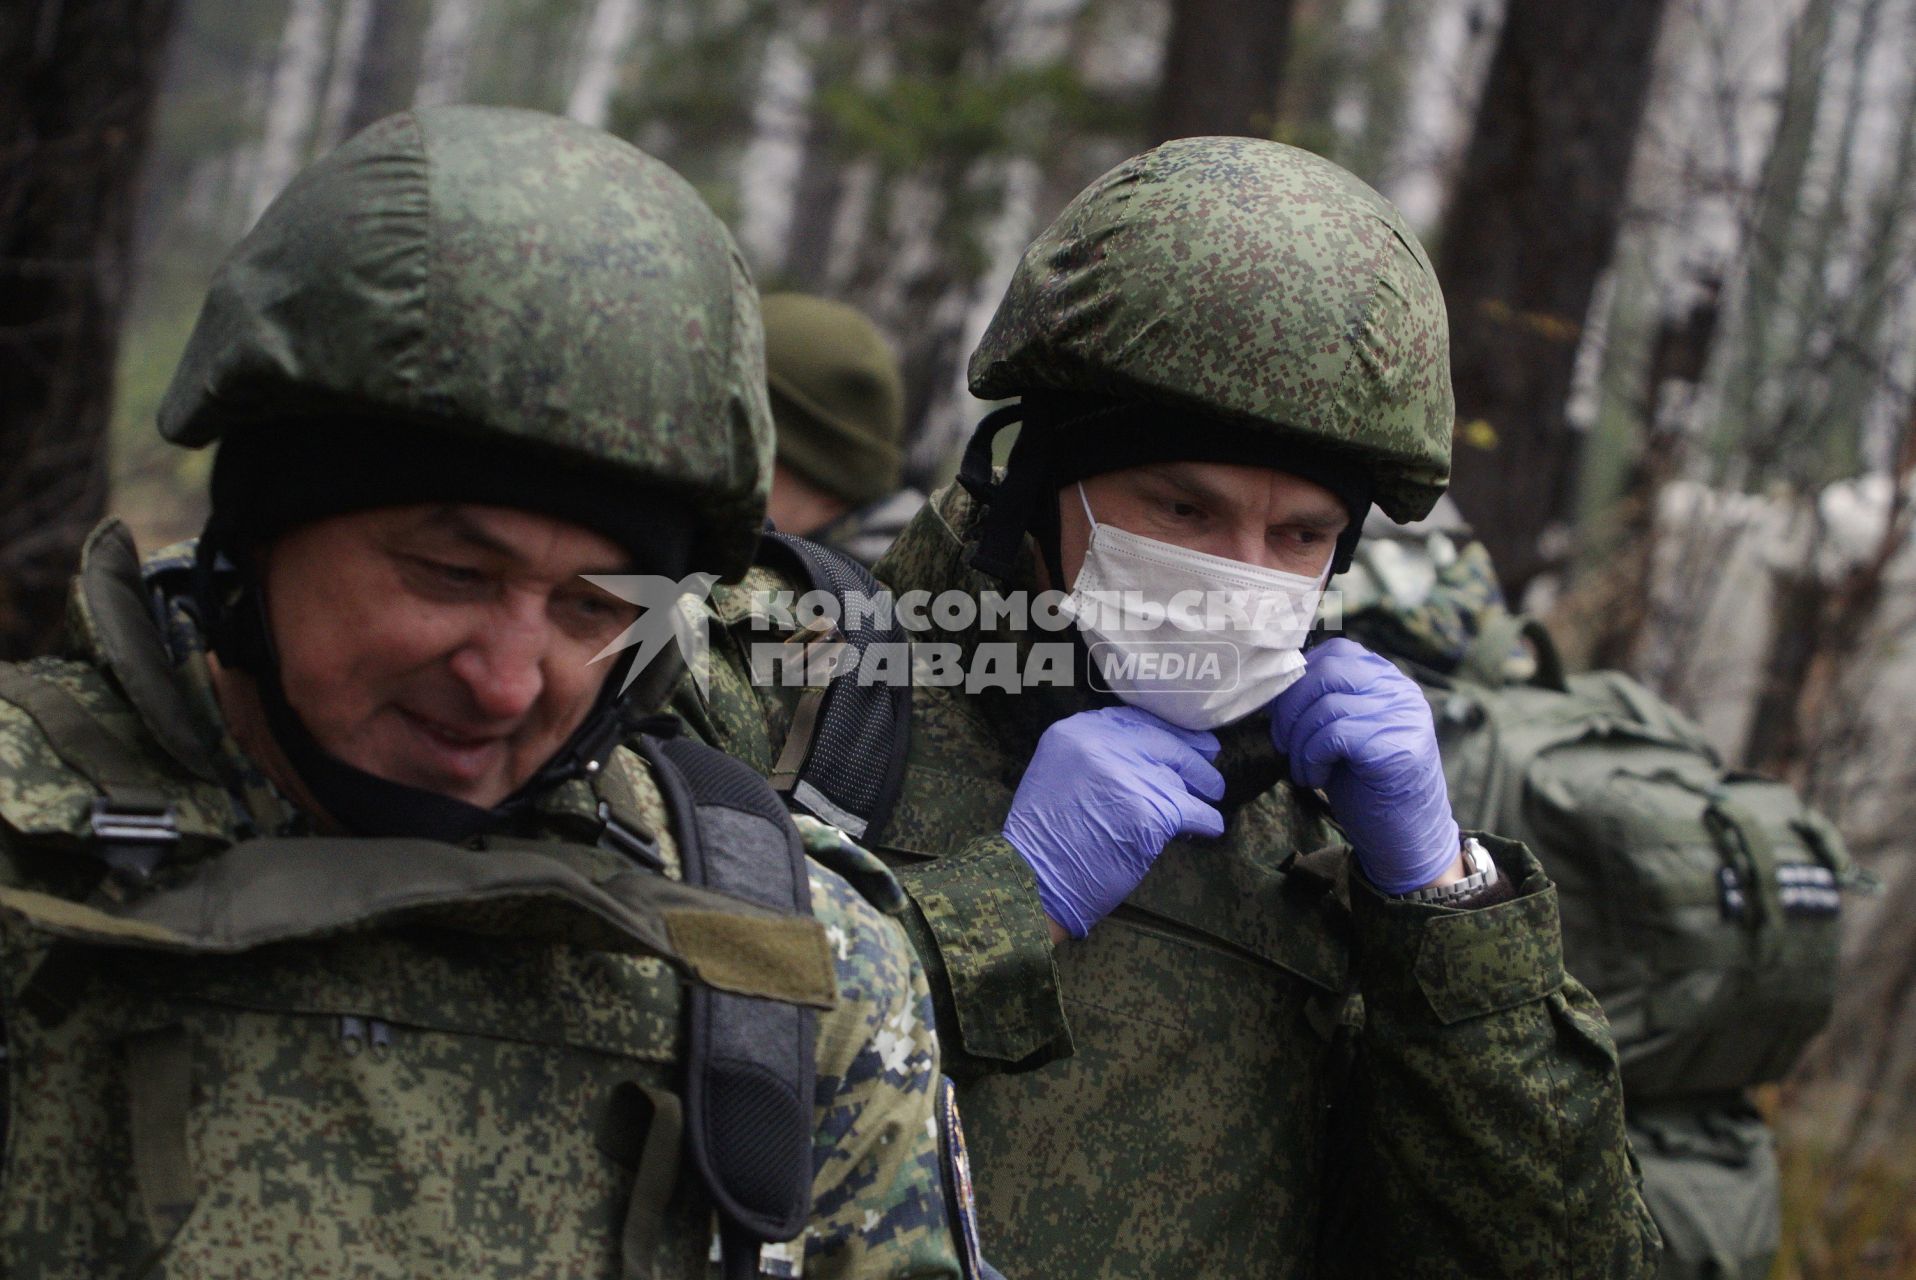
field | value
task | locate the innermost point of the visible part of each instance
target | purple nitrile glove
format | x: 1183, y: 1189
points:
x: 1357, y: 728
x: 1103, y: 795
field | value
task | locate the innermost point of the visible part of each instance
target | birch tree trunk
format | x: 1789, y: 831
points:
x: 819, y: 233
x: 1769, y: 250
x: 390, y: 64
x: 447, y: 52
x: 774, y: 158
x: 291, y: 102
x: 78, y: 79
x: 608, y: 35
x: 1223, y: 65
x: 342, y: 77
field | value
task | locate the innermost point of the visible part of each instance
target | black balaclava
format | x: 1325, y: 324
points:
x: 1067, y: 437
x: 282, y: 475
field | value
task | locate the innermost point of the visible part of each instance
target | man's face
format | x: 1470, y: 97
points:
x: 444, y: 647
x: 1262, y: 517
x: 796, y: 505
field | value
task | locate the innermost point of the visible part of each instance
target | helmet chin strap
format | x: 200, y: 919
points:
x: 363, y: 803
x: 1018, y: 503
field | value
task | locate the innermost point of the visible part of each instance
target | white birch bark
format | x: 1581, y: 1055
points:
x: 954, y: 412
x: 447, y: 53
x: 349, y: 54
x: 1443, y: 101
x: 291, y: 101
x: 608, y: 36
x: 769, y: 167
x: 850, y: 225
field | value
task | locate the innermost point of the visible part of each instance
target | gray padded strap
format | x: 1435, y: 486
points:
x: 751, y: 1072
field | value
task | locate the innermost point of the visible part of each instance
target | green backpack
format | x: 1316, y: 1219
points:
x: 1699, y: 904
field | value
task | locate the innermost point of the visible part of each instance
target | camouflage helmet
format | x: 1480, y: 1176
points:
x: 1247, y: 281
x: 837, y: 396
x: 507, y: 277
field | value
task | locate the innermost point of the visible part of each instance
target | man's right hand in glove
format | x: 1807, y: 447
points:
x: 1103, y: 795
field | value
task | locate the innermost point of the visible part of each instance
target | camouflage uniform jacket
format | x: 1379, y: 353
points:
x: 867, y: 533
x: 1257, y: 1065
x: 454, y: 1095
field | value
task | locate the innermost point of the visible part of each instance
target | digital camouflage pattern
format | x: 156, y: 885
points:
x: 1244, y: 278
x: 453, y: 1096
x: 1429, y: 598
x: 1431, y: 602
x: 867, y: 533
x: 502, y: 272
x: 1256, y: 1066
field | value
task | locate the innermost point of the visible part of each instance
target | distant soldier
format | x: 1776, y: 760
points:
x: 1700, y: 905
x: 838, y: 401
x: 339, y: 934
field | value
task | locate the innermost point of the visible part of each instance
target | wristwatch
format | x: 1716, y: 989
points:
x: 1480, y: 872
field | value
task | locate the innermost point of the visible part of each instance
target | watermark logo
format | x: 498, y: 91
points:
x: 1203, y: 666
x: 668, y: 613
x: 974, y: 641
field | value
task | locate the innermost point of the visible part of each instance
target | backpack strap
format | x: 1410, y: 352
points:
x: 134, y: 825
x: 844, y: 759
x: 1486, y: 660
x: 750, y: 1070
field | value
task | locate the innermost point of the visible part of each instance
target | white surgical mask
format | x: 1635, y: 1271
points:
x: 1195, y: 639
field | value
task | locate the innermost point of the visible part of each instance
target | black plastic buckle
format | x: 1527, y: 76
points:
x: 636, y: 845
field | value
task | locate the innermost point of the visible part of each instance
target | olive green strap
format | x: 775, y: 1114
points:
x: 805, y: 716
x: 291, y: 889
x: 1754, y: 854
x: 79, y: 739
x: 159, y: 1092
x: 652, y: 1185
x: 134, y: 824
x: 1486, y: 660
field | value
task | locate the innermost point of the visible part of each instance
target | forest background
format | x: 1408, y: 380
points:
x: 1677, y: 238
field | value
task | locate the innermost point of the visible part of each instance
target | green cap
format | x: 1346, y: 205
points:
x: 837, y: 396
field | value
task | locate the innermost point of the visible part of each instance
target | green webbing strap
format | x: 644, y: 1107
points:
x: 134, y: 824
x: 1745, y: 846
x: 78, y: 738
x: 117, y: 605
x: 1486, y: 659
x: 652, y: 1185
x: 1762, y: 894
x: 159, y: 1093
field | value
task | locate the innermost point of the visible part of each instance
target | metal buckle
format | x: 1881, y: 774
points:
x: 619, y: 838
x: 133, y: 841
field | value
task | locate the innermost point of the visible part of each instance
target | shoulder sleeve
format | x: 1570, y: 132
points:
x: 727, y: 709
x: 1487, y: 1098
x: 878, y: 1199
x: 976, y: 923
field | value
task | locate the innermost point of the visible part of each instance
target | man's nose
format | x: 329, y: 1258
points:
x: 1249, y: 546
x: 502, y: 666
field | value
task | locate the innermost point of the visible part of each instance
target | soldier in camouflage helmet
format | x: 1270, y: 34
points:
x: 838, y: 404
x: 336, y: 933
x: 1197, y: 1032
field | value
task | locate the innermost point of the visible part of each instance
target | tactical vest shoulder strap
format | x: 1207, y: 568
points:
x: 134, y: 824
x: 750, y: 1068
x: 844, y: 760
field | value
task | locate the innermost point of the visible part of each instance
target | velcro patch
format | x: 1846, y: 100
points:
x: 752, y: 955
